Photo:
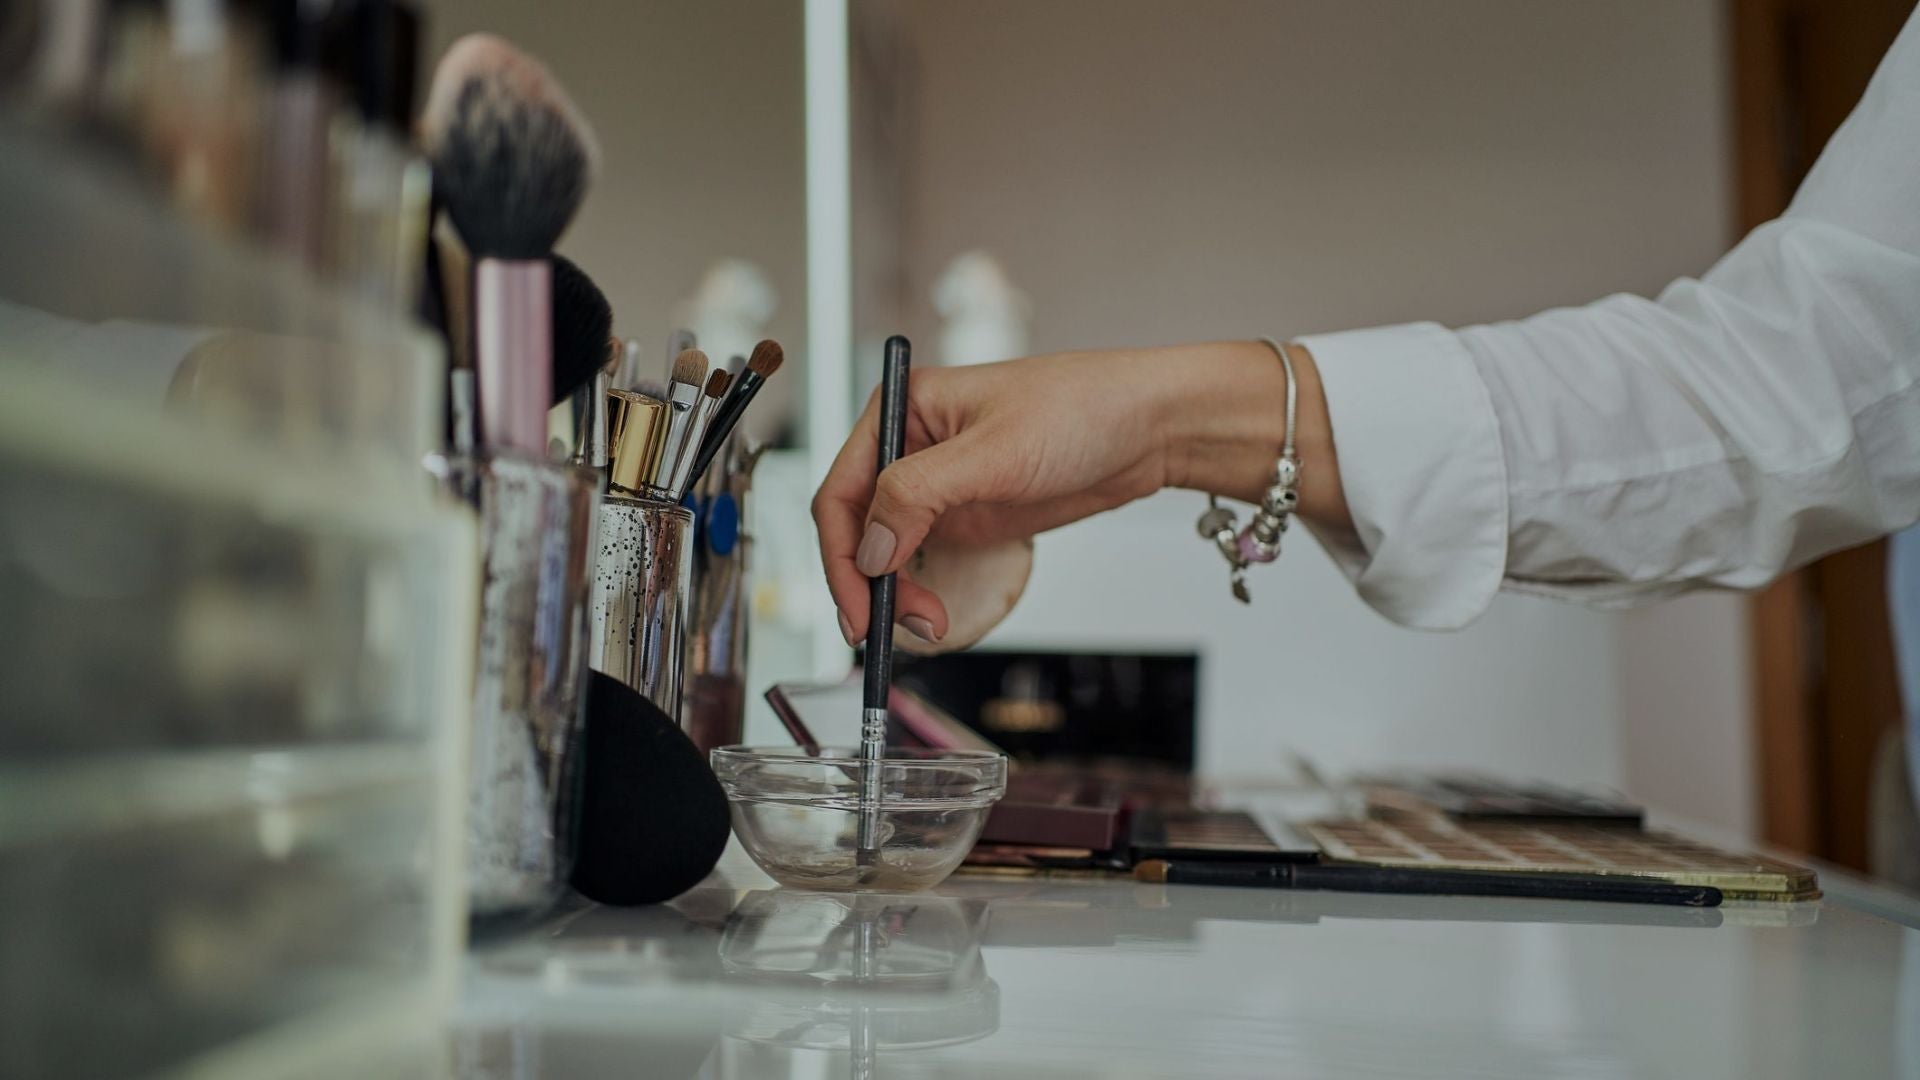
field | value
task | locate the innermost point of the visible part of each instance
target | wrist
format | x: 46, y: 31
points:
x: 1225, y: 419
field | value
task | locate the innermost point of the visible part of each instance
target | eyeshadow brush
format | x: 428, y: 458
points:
x: 701, y: 416
x: 767, y: 358
x: 683, y: 393
x: 880, y: 604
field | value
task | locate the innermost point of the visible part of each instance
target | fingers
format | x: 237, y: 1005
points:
x: 910, y: 496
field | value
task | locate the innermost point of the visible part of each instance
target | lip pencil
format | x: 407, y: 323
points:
x: 1410, y: 882
x: 880, y: 592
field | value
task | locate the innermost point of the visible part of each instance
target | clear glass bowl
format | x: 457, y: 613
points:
x: 797, y: 813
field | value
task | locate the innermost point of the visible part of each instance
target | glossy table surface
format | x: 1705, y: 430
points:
x: 1029, y: 978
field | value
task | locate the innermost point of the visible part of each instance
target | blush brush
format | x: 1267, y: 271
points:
x: 512, y: 160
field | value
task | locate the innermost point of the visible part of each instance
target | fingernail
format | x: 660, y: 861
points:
x: 921, y: 628
x: 846, y: 628
x: 876, y: 550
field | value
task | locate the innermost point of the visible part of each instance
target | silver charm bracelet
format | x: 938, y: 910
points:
x: 1259, y: 542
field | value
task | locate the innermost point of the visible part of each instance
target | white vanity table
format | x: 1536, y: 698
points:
x: 1056, y: 979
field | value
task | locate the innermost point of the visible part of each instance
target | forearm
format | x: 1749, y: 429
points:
x: 1225, y: 419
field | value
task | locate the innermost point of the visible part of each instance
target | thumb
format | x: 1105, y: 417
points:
x: 912, y: 493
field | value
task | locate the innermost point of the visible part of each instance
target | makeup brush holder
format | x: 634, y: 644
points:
x: 642, y: 577
x: 537, y: 522
x: 717, y: 653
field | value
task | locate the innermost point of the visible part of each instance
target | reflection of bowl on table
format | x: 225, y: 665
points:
x: 797, y: 814
x: 858, y: 971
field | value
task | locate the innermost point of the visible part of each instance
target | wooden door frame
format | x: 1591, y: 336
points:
x: 1823, y: 671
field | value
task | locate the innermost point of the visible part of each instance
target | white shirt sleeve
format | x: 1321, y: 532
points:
x: 1739, y: 426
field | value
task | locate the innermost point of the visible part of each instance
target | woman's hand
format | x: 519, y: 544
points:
x: 1004, y: 451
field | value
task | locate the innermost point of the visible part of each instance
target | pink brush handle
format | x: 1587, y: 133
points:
x: 513, y: 352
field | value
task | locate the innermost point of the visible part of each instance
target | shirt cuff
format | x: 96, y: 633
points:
x: 1423, y: 471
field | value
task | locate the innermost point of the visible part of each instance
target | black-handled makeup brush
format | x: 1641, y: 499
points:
x: 880, y: 603
x: 1411, y: 881
x: 512, y: 160
x: 582, y: 329
x: 767, y: 358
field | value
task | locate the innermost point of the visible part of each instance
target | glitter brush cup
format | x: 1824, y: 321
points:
x: 642, y: 577
x: 529, y: 677
x: 799, y: 815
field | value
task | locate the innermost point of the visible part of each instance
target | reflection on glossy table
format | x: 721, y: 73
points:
x: 1011, y: 978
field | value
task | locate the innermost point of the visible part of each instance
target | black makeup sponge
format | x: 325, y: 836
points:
x: 653, y: 820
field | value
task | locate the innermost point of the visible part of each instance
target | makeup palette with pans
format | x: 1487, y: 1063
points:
x: 1437, y: 843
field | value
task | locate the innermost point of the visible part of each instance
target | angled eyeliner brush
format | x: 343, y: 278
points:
x: 879, y: 658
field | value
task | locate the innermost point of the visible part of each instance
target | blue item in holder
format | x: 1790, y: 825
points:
x: 722, y: 525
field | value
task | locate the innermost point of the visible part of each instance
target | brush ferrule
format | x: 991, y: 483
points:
x: 683, y: 399
x: 513, y: 351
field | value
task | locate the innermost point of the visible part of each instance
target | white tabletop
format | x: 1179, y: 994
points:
x: 1059, y: 979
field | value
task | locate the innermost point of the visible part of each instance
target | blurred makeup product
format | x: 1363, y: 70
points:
x: 536, y: 524
x: 1426, y: 882
x: 184, y: 79
x: 590, y: 418
x: 291, y: 210
x: 513, y: 161
x: 717, y: 645
x: 627, y: 374
x: 780, y: 700
x: 450, y: 267
x: 879, y: 653
x: 382, y: 186
x: 680, y: 340
x: 766, y: 359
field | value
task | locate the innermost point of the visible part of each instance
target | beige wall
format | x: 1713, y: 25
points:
x: 1152, y: 171
x: 699, y: 111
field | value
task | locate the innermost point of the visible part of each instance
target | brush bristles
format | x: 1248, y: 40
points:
x: 582, y: 325
x: 717, y: 384
x: 510, y: 153
x: 690, y: 367
x: 1153, y: 870
x: 766, y: 359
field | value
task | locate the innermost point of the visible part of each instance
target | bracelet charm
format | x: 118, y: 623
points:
x: 1259, y: 542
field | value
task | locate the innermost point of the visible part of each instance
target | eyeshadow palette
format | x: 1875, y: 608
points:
x: 1471, y: 795
x: 1437, y: 843
x: 1216, y: 836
